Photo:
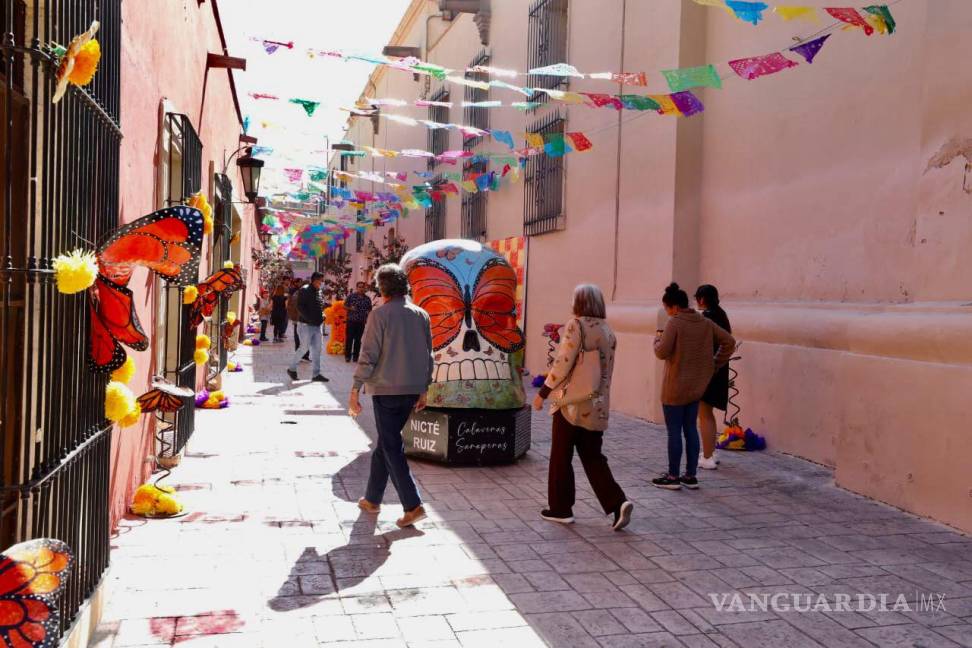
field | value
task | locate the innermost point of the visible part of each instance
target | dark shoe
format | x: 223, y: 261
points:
x: 546, y: 514
x: 264, y: 340
x: 667, y: 481
x: 417, y: 514
x: 320, y: 378
x: 347, y: 359
x: 623, y: 515
x: 292, y: 374
x: 689, y: 482
x: 354, y: 360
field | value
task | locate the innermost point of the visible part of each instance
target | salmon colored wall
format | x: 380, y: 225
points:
x: 164, y: 47
x: 803, y: 196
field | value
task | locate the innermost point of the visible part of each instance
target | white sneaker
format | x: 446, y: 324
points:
x: 708, y: 464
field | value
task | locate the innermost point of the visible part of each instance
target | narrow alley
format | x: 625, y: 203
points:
x: 273, y: 550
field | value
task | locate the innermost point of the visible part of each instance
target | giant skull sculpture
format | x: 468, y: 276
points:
x: 469, y: 292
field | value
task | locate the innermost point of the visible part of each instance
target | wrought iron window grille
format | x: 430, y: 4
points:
x: 543, y: 195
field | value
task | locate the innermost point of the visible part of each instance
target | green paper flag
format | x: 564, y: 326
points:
x: 883, y: 14
x: 638, y: 102
x: 694, y: 77
x: 308, y: 106
x: 318, y: 176
x: 437, y: 71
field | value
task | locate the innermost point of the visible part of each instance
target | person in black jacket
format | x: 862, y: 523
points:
x: 310, y: 310
x: 717, y: 393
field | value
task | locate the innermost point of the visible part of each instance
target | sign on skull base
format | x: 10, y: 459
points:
x: 477, y: 412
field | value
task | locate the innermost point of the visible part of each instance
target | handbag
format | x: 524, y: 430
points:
x: 583, y: 383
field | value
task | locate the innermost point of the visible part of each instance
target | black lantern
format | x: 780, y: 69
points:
x: 250, y: 168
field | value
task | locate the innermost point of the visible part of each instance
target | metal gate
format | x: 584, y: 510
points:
x: 58, y: 192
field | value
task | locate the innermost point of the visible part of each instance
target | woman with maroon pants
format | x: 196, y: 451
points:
x: 581, y: 425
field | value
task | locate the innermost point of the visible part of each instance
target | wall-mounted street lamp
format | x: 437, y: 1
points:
x: 250, y: 169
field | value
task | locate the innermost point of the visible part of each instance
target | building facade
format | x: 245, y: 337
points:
x: 158, y: 123
x: 807, y: 197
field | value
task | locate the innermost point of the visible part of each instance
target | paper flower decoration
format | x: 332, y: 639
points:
x: 189, y: 294
x: 228, y: 265
x: 211, y: 400
x: 124, y: 373
x: 119, y: 401
x: 200, y: 202
x: 200, y: 356
x: 231, y: 317
x: 203, y: 342
x: 75, y: 271
x: 155, y: 501
x: 233, y: 366
x: 132, y: 417
x: 247, y: 342
x: 78, y: 62
x: 735, y: 438
x: 538, y: 380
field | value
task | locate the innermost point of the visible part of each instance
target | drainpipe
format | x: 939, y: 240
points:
x: 617, y: 175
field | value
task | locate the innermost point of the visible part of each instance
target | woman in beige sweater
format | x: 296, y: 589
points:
x: 686, y: 346
x: 582, y: 425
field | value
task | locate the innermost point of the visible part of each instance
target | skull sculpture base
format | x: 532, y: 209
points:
x: 476, y: 437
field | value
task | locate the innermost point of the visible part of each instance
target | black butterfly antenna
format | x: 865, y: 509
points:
x: 84, y: 240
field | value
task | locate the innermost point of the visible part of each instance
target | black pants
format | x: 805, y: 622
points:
x: 297, y: 342
x: 352, y: 343
x: 279, y: 329
x: 263, y: 330
x: 560, y: 483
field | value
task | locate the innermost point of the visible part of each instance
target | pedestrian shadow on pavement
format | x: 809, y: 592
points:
x: 315, y: 577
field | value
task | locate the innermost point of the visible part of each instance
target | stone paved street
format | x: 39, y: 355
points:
x: 274, y: 552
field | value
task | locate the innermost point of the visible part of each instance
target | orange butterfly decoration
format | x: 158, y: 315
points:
x: 164, y: 397
x: 220, y: 284
x: 32, y: 574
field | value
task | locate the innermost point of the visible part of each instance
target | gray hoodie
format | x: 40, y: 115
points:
x: 396, y: 351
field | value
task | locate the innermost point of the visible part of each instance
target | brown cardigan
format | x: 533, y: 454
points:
x: 590, y: 415
x: 686, y: 347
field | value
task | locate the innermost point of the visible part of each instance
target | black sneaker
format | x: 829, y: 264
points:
x: 347, y: 359
x: 689, y: 482
x: 546, y: 514
x: 320, y: 378
x: 667, y: 481
x: 623, y: 515
x: 292, y: 374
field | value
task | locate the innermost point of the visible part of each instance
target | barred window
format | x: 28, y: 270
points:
x: 543, y: 193
x: 474, y: 206
x: 476, y: 117
x: 438, y: 137
x: 182, y: 167
x: 435, y: 216
x: 547, y: 43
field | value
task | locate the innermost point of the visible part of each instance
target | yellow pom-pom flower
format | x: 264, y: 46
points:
x: 132, y: 417
x: 203, y: 342
x: 230, y: 366
x: 75, y: 272
x: 231, y: 317
x: 119, y: 401
x: 124, y: 373
x: 151, y: 500
x: 86, y: 63
x: 200, y: 357
x: 228, y: 265
x: 189, y: 294
x: 207, y: 224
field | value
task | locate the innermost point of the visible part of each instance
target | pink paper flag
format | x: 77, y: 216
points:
x: 294, y: 175
x: 851, y: 17
x: 757, y: 66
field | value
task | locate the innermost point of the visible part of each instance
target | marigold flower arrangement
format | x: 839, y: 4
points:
x: 120, y: 402
x: 75, y: 272
x: 124, y: 373
x: 79, y: 61
x: 155, y: 501
x: 189, y: 294
x: 200, y: 202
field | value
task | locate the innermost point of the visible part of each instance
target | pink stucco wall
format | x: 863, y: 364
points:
x: 803, y: 196
x: 164, y: 59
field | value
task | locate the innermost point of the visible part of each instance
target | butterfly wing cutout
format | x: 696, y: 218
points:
x: 436, y: 290
x: 494, y: 306
x: 32, y: 574
x: 113, y: 323
x: 221, y: 283
x: 167, y: 242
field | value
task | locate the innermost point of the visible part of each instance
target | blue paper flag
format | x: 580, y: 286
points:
x: 504, y: 137
x: 751, y: 12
